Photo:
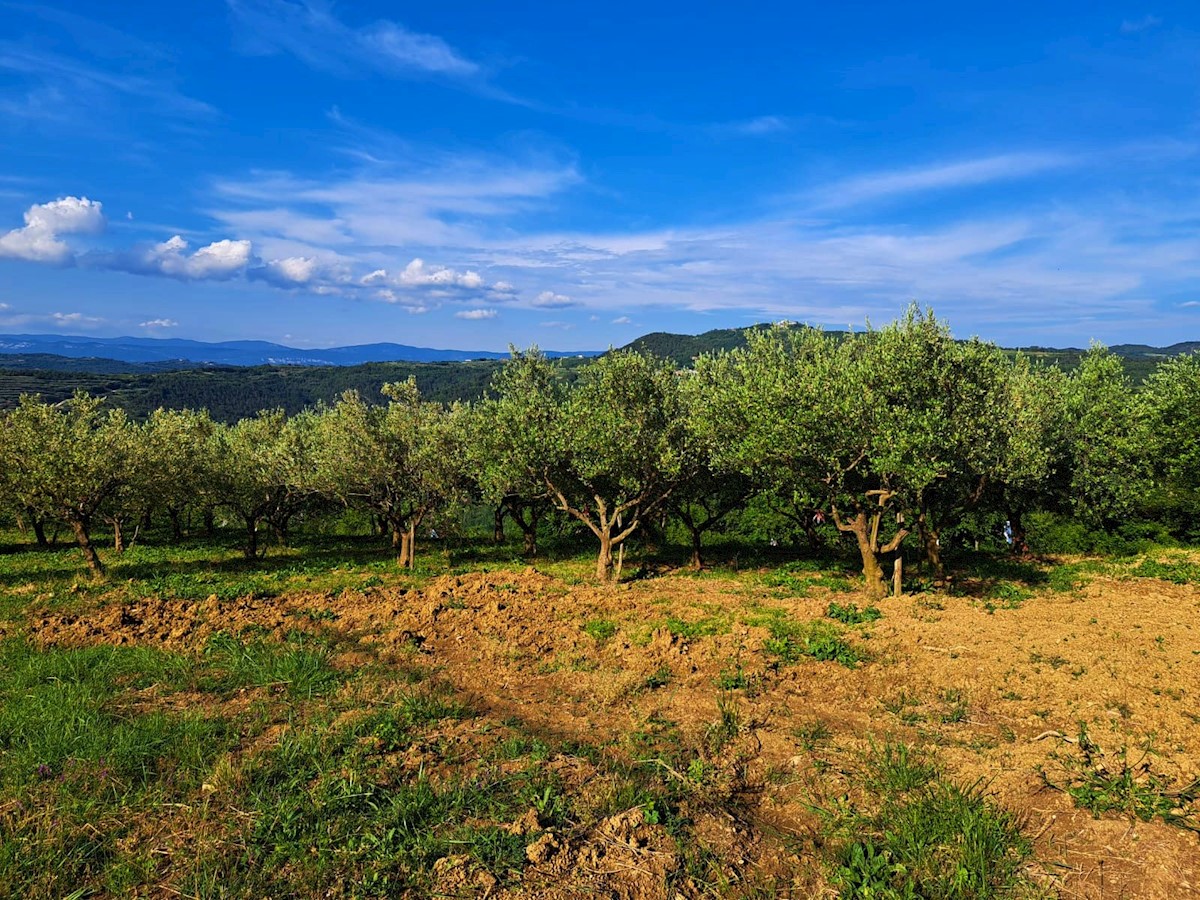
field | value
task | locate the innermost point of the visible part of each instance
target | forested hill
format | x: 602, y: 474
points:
x: 681, y: 349
x: 230, y: 393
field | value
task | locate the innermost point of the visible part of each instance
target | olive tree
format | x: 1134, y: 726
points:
x: 608, y: 450
x: 1109, y: 470
x: 66, y: 461
x: 1171, y: 417
x: 512, y: 438
x: 859, y: 423
x: 401, y: 461
x: 257, y: 472
x: 179, y: 462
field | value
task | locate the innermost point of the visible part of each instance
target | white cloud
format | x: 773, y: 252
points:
x: 944, y: 176
x: 476, y: 314
x: 418, y: 274
x: 39, y: 240
x: 159, y: 323
x: 73, y: 320
x: 551, y: 300
x: 217, y: 261
x: 310, y: 31
x: 1190, y: 303
x: 294, y: 271
x: 622, y: 320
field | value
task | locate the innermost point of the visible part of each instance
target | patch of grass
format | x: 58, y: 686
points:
x: 812, y: 735
x: 1005, y: 595
x: 708, y: 626
x: 1054, y: 661
x: 733, y: 679
x: 1177, y: 570
x: 600, y: 630
x: 300, y: 666
x: 920, y: 835
x: 726, y: 728
x: 850, y: 614
x: 660, y: 677
x: 1103, y: 784
x: 791, y: 641
x: 79, y: 753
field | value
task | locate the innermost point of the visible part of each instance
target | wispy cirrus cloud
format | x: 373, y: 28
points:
x: 1145, y: 23
x: 311, y: 32
x: 887, y: 185
x: 55, y: 86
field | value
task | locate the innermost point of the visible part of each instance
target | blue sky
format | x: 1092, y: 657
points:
x: 470, y: 174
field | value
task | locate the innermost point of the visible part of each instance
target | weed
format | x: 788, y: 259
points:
x: 727, y: 726
x: 660, y: 677
x: 1101, y: 785
x: 1177, y: 570
x: 850, y: 614
x: 600, y: 630
x: 924, y: 836
x: 790, y: 642
x: 812, y: 735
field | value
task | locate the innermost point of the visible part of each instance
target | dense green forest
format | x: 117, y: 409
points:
x: 230, y: 393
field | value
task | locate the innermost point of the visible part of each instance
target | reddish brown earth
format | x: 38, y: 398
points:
x: 997, y: 697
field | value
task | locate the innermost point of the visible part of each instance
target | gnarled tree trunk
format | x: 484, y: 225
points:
x: 83, y: 539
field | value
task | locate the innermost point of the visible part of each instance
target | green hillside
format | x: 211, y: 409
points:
x: 230, y: 393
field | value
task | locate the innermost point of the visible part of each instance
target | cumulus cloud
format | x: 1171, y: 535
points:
x: 419, y: 277
x: 290, y: 272
x: 622, y: 320
x: 417, y: 274
x: 45, y: 223
x: 217, y: 261
x: 159, y: 323
x: 551, y: 300
x: 476, y: 314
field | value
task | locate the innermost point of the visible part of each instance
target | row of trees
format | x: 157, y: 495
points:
x: 894, y: 435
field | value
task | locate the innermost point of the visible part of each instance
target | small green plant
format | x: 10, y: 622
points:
x: 733, y: 679
x: 600, y: 630
x: 850, y: 614
x: 812, y: 735
x: 790, y: 642
x: 727, y: 726
x: 660, y: 677
x: 1101, y: 784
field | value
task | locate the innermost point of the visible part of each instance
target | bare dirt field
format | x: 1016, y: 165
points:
x: 997, y: 693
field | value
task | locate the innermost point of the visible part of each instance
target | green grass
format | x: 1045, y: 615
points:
x: 1177, y: 570
x: 600, y: 630
x: 792, y: 641
x: 78, y: 755
x: 917, y: 834
x: 850, y: 614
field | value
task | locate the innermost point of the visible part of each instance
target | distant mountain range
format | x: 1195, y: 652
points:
x: 133, y: 355
x: 173, y: 353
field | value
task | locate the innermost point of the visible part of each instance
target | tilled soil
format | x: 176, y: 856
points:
x: 998, y: 695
